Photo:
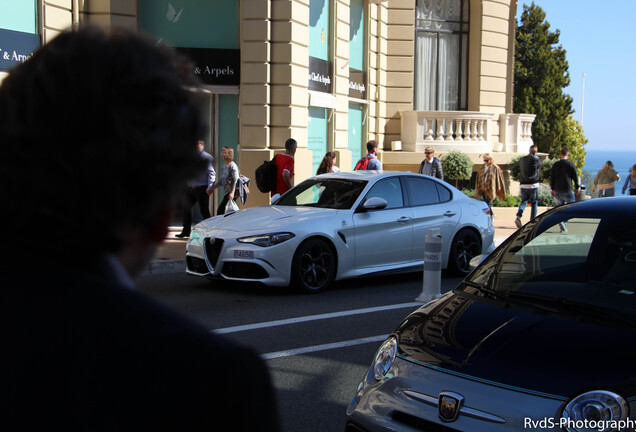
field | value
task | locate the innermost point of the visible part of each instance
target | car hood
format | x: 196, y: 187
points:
x: 541, y: 354
x: 265, y: 218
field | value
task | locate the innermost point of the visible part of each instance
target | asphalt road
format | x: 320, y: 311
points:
x: 318, y: 347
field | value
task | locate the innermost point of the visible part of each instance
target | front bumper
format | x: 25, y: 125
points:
x: 408, y: 400
x: 223, y: 257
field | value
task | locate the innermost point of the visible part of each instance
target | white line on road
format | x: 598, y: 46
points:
x: 314, y: 318
x: 316, y: 348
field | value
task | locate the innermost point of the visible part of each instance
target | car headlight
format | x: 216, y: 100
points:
x: 384, y: 358
x: 596, y: 410
x: 266, y: 240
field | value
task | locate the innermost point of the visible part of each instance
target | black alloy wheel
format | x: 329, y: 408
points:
x: 466, y: 245
x: 314, y: 266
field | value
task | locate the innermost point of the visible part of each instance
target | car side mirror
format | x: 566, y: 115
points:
x: 374, y: 203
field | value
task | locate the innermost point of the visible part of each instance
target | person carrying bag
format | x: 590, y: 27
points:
x: 229, y: 179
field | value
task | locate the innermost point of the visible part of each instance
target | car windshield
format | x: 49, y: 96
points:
x: 566, y: 261
x: 325, y: 193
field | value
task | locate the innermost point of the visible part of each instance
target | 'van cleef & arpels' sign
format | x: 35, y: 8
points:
x: 16, y: 47
x: 319, y: 75
x: 215, y: 66
x: 357, y: 84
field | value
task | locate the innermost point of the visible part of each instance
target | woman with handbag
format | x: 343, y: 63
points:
x: 228, y: 178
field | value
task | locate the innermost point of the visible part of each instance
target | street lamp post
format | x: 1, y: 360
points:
x: 582, y: 98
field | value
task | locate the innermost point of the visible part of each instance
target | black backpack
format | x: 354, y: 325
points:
x: 266, y: 176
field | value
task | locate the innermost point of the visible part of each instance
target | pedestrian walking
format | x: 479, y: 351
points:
x: 328, y: 164
x: 630, y: 182
x: 490, y: 183
x: 370, y: 161
x: 562, y: 176
x: 529, y: 179
x: 285, y: 167
x: 83, y: 350
x: 604, y: 180
x: 198, y: 190
x: 431, y: 166
x: 228, y: 180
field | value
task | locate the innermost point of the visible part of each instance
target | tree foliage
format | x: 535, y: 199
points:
x: 575, y: 140
x: 457, y: 166
x: 541, y: 74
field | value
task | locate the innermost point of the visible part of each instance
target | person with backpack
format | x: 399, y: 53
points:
x: 370, y: 161
x: 285, y: 167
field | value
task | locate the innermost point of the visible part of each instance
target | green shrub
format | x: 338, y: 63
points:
x: 469, y: 192
x: 510, y: 201
x: 545, y: 197
x: 457, y: 166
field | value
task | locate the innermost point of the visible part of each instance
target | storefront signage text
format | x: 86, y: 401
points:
x: 214, y: 66
x: 357, y: 84
x: 319, y: 75
x: 16, y: 47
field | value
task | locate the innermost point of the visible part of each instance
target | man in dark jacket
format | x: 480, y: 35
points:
x: 431, y: 165
x: 82, y: 350
x: 529, y: 179
x: 562, y: 175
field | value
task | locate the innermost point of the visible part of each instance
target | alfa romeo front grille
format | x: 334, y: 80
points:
x: 213, y: 247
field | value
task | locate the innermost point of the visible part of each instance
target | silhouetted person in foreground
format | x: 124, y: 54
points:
x: 97, y: 137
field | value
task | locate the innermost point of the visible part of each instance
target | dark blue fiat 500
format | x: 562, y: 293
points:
x: 540, y: 336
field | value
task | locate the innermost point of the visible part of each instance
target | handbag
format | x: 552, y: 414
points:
x: 231, y: 206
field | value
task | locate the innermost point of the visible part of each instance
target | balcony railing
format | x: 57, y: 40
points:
x: 467, y: 131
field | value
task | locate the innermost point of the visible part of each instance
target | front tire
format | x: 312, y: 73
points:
x: 313, y: 266
x: 466, y: 245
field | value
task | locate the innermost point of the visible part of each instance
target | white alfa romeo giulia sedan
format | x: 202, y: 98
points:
x: 338, y: 226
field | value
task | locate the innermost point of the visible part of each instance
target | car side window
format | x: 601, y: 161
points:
x: 422, y: 191
x: 444, y: 194
x: 390, y: 190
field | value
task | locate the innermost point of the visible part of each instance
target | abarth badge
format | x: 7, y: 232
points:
x: 450, y: 405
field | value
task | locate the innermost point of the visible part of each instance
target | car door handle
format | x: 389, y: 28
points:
x: 404, y: 219
x: 450, y: 213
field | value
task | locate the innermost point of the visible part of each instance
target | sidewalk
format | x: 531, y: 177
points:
x: 170, y: 256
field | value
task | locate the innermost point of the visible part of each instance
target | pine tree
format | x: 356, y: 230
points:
x: 541, y: 74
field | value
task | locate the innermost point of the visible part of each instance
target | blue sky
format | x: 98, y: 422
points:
x: 599, y: 40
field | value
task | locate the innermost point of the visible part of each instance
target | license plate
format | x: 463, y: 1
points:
x: 243, y: 254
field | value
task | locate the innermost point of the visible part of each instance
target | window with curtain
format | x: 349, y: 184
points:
x: 441, y: 55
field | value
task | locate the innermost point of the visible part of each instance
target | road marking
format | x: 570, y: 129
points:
x: 324, y: 347
x: 314, y: 318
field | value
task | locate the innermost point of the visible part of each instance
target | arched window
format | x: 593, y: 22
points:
x: 441, y: 55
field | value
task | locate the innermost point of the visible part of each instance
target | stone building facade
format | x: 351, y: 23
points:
x: 333, y: 74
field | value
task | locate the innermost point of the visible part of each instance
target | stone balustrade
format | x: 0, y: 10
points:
x: 467, y: 131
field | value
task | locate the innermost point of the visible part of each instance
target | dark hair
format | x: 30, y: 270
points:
x: 371, y: 145
x: 290, y: 143
x: 327, y: 163
x: 565, y: 151
x: 98, y: 133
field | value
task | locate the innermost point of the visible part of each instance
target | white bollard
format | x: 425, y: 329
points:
x: 432, y: 284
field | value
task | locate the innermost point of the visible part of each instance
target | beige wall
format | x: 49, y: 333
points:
x: 391, y: 62
x: 120, y: 13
